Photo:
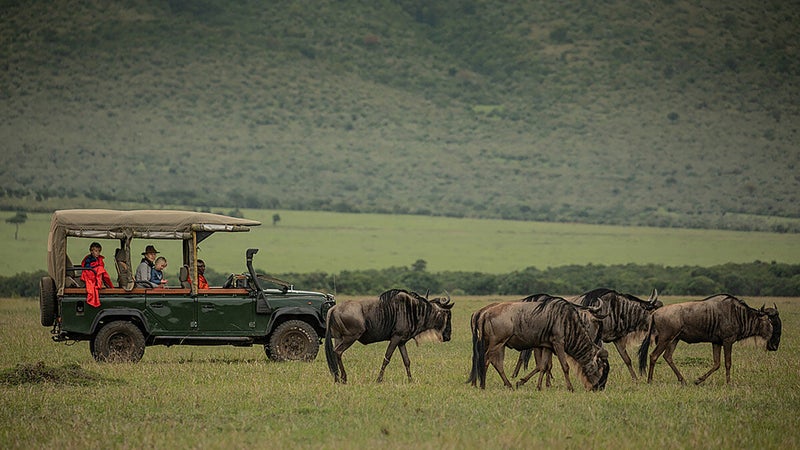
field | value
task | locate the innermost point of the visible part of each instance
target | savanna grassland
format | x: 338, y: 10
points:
x: 307, y: 241
x: 226, y: 397
x: 670, y: 113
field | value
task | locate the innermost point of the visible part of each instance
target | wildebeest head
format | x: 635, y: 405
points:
x: 596, y: 373
x: 439, y: 322
x: 771, y: 327
x: 653, y: 302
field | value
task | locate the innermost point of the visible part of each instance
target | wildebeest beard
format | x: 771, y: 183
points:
x: 775, y: 340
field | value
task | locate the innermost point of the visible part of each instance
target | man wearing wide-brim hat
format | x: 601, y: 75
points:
x: 142, y: 277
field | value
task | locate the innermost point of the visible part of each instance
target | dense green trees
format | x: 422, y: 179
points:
x: 746, y: 280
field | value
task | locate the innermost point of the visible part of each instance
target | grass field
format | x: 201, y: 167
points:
x: 225, y: 397
x: 331, y: 242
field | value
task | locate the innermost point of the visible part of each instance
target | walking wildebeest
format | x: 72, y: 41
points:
x: 720, y: 319
x: 396, y: 316
x: 553, y: 324
x: 627, y: 317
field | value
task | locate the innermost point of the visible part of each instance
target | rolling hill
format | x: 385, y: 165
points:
x: 669, y: 113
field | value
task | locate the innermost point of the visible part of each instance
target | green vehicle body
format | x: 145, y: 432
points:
x: 289, y: 323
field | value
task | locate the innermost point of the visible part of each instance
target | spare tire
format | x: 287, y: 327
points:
x: 47, y: 301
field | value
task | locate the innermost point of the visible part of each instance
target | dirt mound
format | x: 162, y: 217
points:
x: 69, y: 374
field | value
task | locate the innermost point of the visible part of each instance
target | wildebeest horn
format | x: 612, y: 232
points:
x: 597, y: 311
x: 427, y: 292
x: 653, y: 296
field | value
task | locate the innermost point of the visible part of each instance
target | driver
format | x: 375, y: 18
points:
x: 201, y: 279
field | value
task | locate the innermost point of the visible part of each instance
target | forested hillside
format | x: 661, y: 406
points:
x: 666, y: 113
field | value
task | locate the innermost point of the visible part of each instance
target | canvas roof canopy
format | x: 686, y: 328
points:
x: 125, y: 225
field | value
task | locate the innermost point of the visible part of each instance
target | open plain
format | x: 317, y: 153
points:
x: 226, y: 397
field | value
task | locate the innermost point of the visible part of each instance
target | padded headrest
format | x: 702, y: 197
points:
x: 183, y: 274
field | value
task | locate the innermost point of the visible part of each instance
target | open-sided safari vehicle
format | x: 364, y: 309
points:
x: 241, y: 312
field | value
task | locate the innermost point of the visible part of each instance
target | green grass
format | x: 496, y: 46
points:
x: 226, y: 397
x: 304, y: 242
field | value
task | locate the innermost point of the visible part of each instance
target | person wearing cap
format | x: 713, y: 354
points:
x: 144, y: 270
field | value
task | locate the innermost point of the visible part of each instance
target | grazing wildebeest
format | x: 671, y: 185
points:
x: 720, y: 319
x: 627, y: 318
x: 591, y: 319
x: 553, y: 324
x: 396, y: 316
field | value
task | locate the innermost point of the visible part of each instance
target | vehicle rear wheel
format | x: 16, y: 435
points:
x: 47, y: 301
x: 119, y: 341
x: 293, y: 340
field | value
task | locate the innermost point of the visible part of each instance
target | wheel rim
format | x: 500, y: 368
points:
x: 294, y: 345
x: 120, y: 345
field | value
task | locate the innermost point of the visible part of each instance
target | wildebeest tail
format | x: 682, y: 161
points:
x: 645, y: 347
x: 473, y: 373
x: 330, y: 355
x: 525, y: 356
x: 479, y: 351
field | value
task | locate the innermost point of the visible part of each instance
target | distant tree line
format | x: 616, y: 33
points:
x: 750, y: 279
x: 747, y: 280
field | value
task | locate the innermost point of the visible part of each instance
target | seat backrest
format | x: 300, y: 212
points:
x: 124, y: 274
x: 183, y: 276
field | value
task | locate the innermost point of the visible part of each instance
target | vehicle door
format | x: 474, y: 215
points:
x: 172, y: 312
x: 228, y: 312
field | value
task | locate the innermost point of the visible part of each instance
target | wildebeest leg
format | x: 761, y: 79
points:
x: 524, y: 357
x: 670, y: 348
x: 623, y: 352
x: 716, y: 351
x: 727, y: 346
x: 547, y: 356
x: 562, y: 358
x: 542, y: 357
x: 656, y: 353
x: 341, y: 346
x: 495, y: 355
x: 393, y: 343
x: 406, y: 361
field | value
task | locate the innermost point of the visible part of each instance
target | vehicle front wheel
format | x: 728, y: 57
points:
x: 119, y: 341
x: 293, y: 340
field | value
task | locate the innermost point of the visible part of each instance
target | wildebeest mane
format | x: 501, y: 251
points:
x: 391, y: 293
x: 594, y: 295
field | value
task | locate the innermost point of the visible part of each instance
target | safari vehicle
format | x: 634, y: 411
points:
x: 241, y: 312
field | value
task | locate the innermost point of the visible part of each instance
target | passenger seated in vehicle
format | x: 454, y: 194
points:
x: 94, y: 274
x: 143, y: 271
x: 95, y: 267
x: 157, y: 273
x: 201, y: 279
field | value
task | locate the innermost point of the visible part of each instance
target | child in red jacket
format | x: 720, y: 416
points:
x: 94, y: 274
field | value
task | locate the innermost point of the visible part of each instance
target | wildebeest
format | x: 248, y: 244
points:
x: 626, y: 318
x: 720, y: 319
x: 553, y: 324
x: 396, y: 316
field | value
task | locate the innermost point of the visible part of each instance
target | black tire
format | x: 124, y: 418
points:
x: 119, y: 341
x: 293, y: 340
x: 47, y: 301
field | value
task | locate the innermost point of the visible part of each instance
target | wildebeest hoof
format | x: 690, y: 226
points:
x: 519, y: 383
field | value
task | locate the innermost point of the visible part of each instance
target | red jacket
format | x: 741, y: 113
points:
x: 94, y: 278
x: 201, y: 281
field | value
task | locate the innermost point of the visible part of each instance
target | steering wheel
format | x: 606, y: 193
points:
x: 229, y: 282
